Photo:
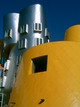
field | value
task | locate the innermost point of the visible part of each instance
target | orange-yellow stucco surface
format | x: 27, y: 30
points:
x: 59, y: 85
x: 73, y: 33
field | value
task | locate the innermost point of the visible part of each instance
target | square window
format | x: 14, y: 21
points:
x: 37, y: 27
x: 8, y: 33
x: 22, y: 44
x: 39, y: 64
x: 24, y: 29
x: 38, y: 41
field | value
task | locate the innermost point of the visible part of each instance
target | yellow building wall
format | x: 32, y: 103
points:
x: 73, y: 33
x: 59, y: 85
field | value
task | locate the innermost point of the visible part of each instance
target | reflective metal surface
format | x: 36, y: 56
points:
x: 31, y: 15
x: 11, y: 70
x: 10, y: 74
x: 10, y: 22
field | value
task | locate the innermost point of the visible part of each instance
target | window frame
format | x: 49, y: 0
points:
x: 47, y: 33
x: 22, y: 44
x: 8, y: 34
x: 39, y: 64
x: 6, y: 65
x: 24, y: 29
x: 18, y: 59
x: 37, y: 41
x: 37, y: 27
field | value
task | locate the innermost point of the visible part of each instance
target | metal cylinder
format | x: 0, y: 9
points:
x: 32, y: 27
x: 10, y: 69
x: 10, y: 30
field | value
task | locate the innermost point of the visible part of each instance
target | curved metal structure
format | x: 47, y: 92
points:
x: 10, y: 30
x: 32, y: 27
x: 11, y: 36
x: 10, y: 70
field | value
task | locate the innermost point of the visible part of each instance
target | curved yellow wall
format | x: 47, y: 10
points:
x: 59, y: 86
x: 73, y: 33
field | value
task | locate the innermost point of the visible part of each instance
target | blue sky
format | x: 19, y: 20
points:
x: 60, y: 14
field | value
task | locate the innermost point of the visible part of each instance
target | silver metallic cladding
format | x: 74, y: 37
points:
x: 12, y: 70
x: 30, y: 15
x: 10, y: 21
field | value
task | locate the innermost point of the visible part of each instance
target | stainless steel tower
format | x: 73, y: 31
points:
x: 10, y: 30
x: 11, y: 36
x: 32, y: 28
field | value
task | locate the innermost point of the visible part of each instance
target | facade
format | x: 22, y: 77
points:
x: 57, y: 83
x: 38, y: 73
x: 21, y: 31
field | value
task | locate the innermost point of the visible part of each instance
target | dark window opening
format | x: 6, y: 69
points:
x: 39, y: 26
x: 0, y: 97
x: 41, y: 41
x: 36, y: 26
x: 8, y: 33
x: 37, y: 41
x: 39, y: 64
